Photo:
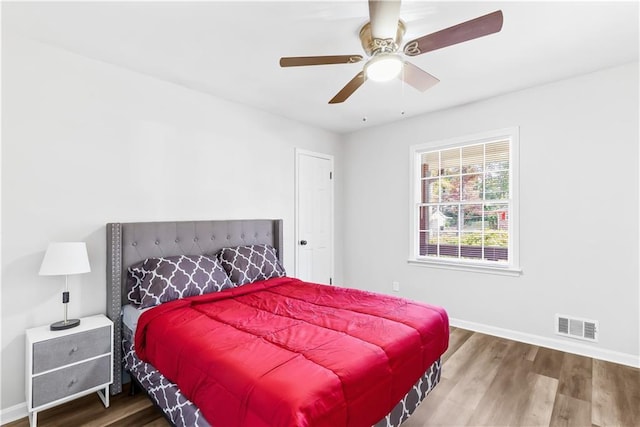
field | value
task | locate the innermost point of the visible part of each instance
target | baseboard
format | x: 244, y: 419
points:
x: 555, y: 344
x: 13, y: 413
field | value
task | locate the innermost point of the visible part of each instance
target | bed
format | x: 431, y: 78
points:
x: 297, y: 361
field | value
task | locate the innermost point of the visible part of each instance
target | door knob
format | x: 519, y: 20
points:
x: 303, y: 242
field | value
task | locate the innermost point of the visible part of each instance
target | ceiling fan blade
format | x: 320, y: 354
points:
x: 350, y: 87
x: 417, y: 77
x: 384, y: 16
x: 298, y: 61
x: 469, y: 30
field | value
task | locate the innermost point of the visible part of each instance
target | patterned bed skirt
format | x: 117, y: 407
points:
x: 183, y: 413
x: 412, y: 399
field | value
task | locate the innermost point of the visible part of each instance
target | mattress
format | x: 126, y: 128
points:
x: 130, y: 316
x: 359, y: 353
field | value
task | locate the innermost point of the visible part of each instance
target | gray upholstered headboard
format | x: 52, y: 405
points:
x: 129, y: 243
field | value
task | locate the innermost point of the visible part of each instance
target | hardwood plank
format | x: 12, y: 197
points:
x: 438, y: 395
x: 604, y: 410
x: 533, y: 352
x: 616, y: 394
x: 575, y: 377
x: 539, y: 407
x: 457, y: 338
x: 548, y: 362
x: 89, y: 411
x: 138, y: 418
x: 63, y: 415
x: 570, y: 412
x: 509, y: 391
x: 481, y: 364
x: 437, y: 410
x: 466, y: 356
x: 137, y: 407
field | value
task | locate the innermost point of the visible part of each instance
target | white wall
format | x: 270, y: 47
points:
x: 75, y: 132
x: 578, y: 204
x: 85, y: 143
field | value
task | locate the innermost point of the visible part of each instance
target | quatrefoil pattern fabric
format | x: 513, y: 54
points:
x: 248, y: 264
x: 171, y: 278
x: 412, y: 399
x: 134, y: 280
x: 180, y: 410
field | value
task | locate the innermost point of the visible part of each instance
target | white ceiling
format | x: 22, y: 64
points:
x: 231, y: 49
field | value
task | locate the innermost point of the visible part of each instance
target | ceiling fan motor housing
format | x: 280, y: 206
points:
x: 373, y: 46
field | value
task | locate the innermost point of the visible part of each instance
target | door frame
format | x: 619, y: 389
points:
x: 301, y: 152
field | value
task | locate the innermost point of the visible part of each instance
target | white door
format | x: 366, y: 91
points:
x: 314, y: 217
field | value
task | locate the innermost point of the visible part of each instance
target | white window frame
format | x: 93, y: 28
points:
x: 512, y: 268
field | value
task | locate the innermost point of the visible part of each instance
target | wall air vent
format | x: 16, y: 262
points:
x: 573, y: 327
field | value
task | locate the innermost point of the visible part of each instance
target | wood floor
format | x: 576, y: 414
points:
x: 489, y: 381
x: 486, y: 381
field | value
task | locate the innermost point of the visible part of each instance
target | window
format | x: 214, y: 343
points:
x: 464, y: 207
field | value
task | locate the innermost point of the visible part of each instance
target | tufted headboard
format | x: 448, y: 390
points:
x: 129, y: 243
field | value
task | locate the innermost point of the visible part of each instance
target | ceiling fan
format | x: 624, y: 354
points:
x: 380, y: 38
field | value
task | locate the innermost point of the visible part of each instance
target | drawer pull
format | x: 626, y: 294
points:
x: 72, y: 382
x: 73, y: 350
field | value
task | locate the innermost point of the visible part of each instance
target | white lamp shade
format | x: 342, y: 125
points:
x: 64, y: 258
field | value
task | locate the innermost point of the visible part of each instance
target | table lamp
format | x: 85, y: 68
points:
x: 65, y: 258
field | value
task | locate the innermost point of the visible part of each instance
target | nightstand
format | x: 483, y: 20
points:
x: 64, y: 365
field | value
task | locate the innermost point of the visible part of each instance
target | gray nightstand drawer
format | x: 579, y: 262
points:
x: 53, y: 353
x: 71, y: 380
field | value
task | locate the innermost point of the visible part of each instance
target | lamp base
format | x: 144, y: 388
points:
x: 70, y: 323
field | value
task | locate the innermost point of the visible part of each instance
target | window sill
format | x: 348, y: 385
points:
x: 476, y: 268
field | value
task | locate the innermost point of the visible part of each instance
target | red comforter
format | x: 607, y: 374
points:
x: 282, y: 352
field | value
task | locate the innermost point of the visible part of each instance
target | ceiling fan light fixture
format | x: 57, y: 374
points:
x: 383, y: 67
